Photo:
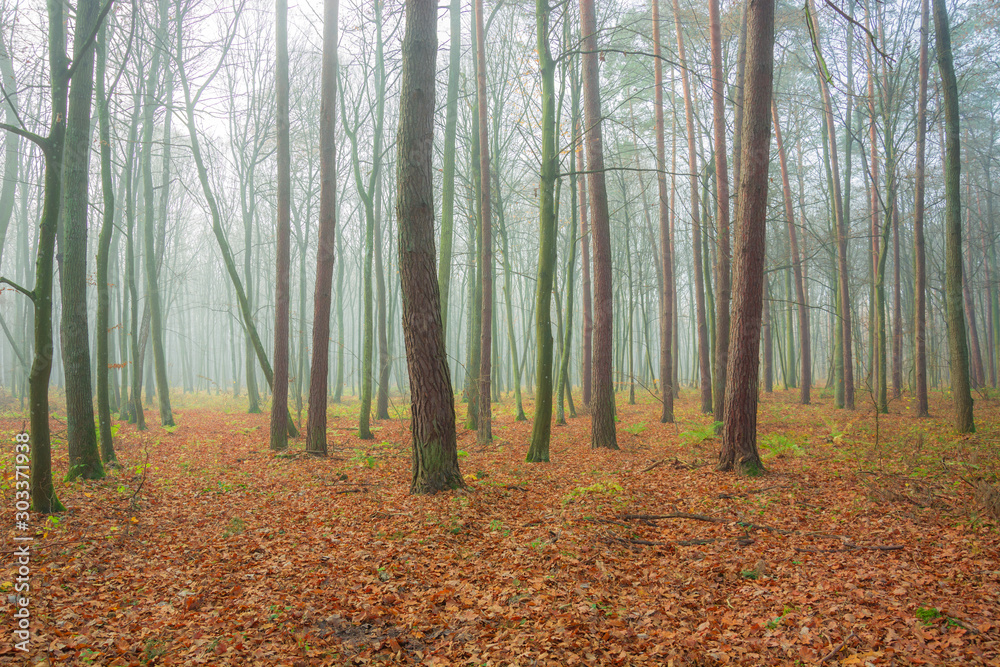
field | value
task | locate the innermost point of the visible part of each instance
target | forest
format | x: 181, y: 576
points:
x: 500, y: 332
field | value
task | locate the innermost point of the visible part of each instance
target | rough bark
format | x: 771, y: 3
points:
x: 602, y: 405
x: 434, y: 453
x: 81, y: 436
x: 739, y: 436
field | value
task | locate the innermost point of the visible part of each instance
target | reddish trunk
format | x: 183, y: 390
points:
x: 739, y: 438
x: 602, y: 406
x: 800, y: 291
x: 316, y: 424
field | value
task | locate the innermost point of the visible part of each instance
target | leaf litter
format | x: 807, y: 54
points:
x: 205, y: 548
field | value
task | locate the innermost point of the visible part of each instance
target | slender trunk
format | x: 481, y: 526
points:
x: 958, y: 346
x: 666, y: 287
x: 841, y: 227
x: 722, y: 277
x: 484, y: 430
x: 103, y: 251
x: 800, y: 291
x: 704, y: 352
x: 450, y: 134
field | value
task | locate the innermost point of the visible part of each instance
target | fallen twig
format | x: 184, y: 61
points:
x: 753, y: 491
x: 838, y: 647
x: 673, y: 515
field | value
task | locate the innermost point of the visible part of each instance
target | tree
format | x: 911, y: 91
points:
x: 81, y: 436
x: 805, y: 383
x: 279, y: 399
x: 602, y: 405
x: 484, y: 432
x: 957, y: 344
x: 739, y: 434
x: 432, y: 422
x: 325, y: 251
x: 547, y: 233
x: 150, y: 263
x: 920, y: 257
x: 722, y: 210
x: 704, y: 361
x: 103, y: 249
x: 450, y: 134
x: 61, y: 70
x: 841, y: 209
x: 667, y: 271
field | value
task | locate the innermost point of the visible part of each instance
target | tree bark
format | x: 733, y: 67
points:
x: 722, y: 278
x: 484, y: 427
x: 739, y: 437
x: 805, y: 379
x: 434, y: 454
x: 103, y: 251
x: 81, y: 437
x: 448, y: 153
x: 547, y: 232
x: 957, y: 344
x: 279, y: 398
x: 666, y: 287
x: 704, y: 358
x: 602, y: 406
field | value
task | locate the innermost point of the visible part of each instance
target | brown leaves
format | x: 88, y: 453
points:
x: 234, y: 556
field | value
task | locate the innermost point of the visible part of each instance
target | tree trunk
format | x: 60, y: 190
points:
x: 704, y: 359
x: 103, y: 251
x: 435, y: 454
x: 484, y: 432
x: 841, y: 227
x: 722, y: 278
x: 958, y: 346
x: 450, y: 134
x: 81, y: 437
x: 602, y: 406
x: 279, y: 398
x: 328, y: 237
x: 587, y: 310
x: 666, y: 287
x: 739, y: 438
x: 150, y: 265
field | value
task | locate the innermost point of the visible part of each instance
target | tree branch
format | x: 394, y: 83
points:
x: 26, y: 292
x: 91, y: 38
x: 42, y: 142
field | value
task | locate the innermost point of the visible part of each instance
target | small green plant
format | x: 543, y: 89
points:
x: 154, y: 649
x: 236, y: 527
x: 637, y: 428
x: 170, y: 429
x: 364, y: 460
x: 927, y: 615
x: 538, y: 543
x: 700, y: 434
x: 779, y: 446
x: 599, y: 488
x: 496, y: 525
x: 462, y: 453
x: 749, y: 574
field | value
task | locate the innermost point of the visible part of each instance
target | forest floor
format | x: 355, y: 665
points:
x: 866, y: 543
